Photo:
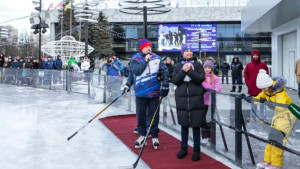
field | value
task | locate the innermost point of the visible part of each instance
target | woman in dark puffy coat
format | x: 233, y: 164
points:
x: 188, y: 76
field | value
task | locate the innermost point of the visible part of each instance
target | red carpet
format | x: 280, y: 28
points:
x: 165, y: 156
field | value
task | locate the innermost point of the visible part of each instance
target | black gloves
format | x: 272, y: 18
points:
x: 243, y: 96
x: 126, y: 88
x: 262, y: 100
x: 164, y: 91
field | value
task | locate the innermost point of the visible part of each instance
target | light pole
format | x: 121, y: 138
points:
x: 38, y: 27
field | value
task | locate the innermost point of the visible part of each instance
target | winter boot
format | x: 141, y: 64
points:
x: 155, y: 143
x: 196, y: 154
x: 262, y: 165
x: 135, y: 130
x: 182, y: 153
x: 240, y: 89
x: 233, y: 89
x: 139, y: 142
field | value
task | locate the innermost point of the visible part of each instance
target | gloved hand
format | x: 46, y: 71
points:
x: 241, y: 96
x: 164, y: 91
x: 262, y: 100
x: 126, y: 88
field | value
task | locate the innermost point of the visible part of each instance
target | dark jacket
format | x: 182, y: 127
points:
x: 41, y: 64
x: 236, y: 68
x: 58, y: 64
x: 48, y: 64
x: 28, y: 65
x: 216, y: 68
x: 189, y: 95
x: 225, y: 67
x: 170, y: 69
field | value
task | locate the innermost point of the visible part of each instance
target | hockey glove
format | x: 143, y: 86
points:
x: 126, y: 88
x: 262, y: 100
x: 164, y: 91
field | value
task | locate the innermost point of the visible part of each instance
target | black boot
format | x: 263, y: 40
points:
x: 240, y: 89
x: 182, y: 153
x: 233, y: 89
x: 196, y: 154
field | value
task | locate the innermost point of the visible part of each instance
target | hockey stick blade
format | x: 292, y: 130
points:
x: 126, y: 167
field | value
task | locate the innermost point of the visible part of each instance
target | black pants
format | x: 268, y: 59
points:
x: 226, y: 75
x: 205, y: 131
x: 145, y: 107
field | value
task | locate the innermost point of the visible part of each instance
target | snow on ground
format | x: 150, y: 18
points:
x: 35, y: 125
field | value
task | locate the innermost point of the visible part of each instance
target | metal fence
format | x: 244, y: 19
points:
x: 229, y: 131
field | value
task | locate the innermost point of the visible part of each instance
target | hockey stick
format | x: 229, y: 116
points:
x: 145, y: 140
x: 293, y: 108
x: 69, y: 138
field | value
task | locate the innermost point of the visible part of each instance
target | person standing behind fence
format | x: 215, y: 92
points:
x: 236, y: 74
x: 48, y: 73
x: 58, y: 66
x: 225, y: 68
x: 117, y: 60
x: 297, y: 73
x: 72, y: 60
x: 188, y: 76
x: 114, y: 81
x: 170, y: 65
x: 211, y: 82
x: 145, y: 66
x: 283, y: 120
x: 250, y: 75
x: 1, y: 59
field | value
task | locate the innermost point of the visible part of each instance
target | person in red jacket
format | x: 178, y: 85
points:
x: 250, y: 75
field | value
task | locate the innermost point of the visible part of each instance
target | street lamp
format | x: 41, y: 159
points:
x: 38, y: 27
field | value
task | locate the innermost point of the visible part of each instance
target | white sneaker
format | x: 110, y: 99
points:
x: 155, y: 143
x: 298, y: 131
x: 262, y: 165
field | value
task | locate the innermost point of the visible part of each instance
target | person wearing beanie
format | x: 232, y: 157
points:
x: 211, y: 82
x: 188, y: 76
x: 216, y: 65
x: 145, y: 66
x: 250, y: 75
x: 236, y: 74
x: 283, y: 120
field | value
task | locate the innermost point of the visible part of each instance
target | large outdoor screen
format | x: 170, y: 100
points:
x: 172, y: 36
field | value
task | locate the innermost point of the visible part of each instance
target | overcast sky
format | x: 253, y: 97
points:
x: 11, y: 9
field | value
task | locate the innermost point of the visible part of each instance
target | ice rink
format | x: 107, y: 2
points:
x: 35, y: 125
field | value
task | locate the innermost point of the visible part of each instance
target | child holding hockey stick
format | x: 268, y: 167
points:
x: 283, y: 120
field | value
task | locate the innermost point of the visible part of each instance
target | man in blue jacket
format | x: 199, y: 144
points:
x: 114, y: 81
x: 58, y: 66
x: 145, y: 67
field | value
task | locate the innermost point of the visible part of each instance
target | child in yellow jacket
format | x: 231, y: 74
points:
x: 282, y: 122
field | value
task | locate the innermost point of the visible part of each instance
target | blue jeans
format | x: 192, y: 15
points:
x: 262, y: 111
x: 145, y: 109
x: 185, y: 136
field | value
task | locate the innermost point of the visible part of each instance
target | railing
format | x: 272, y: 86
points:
x: 227, y: 113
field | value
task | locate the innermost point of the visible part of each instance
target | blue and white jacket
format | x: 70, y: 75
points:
x: 145, y: 73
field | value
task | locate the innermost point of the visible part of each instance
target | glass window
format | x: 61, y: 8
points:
x: 229, y: 32
x: 221, y: 32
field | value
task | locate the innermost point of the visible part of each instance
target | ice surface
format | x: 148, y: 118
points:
x: 35, y: 125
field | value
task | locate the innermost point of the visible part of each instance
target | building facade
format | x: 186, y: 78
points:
x: 282, y: 19
x: 231, y: 41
